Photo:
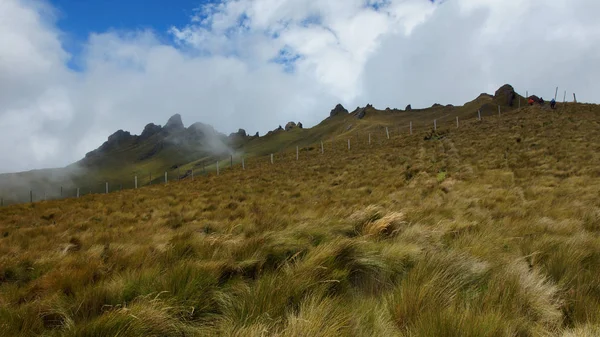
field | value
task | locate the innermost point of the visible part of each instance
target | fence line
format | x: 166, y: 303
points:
x: 243, y: 162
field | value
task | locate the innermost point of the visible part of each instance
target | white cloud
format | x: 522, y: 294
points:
x: 221, y: 71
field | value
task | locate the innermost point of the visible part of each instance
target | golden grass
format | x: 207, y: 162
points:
x: 492, y: 229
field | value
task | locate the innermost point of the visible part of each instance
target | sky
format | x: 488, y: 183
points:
x: 73, y: 72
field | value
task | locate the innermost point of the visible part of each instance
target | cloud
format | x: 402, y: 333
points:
x: 256, y: 64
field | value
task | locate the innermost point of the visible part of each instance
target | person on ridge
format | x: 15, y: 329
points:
x: 553, y: 103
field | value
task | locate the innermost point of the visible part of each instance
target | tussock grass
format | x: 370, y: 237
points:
x: 490, y: 230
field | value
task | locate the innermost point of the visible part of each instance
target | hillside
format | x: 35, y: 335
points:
x: 488, y: 229
x: 178, y: 150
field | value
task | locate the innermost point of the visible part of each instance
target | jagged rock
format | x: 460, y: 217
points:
x: 388, y: 109
x: 240, y: 133
x: 449, y: 106
x: 256, y: 135
x: 150, y: 130
x: 436, y: 105
x: 299, y: 125
x: 408, y: 108
x: 338, y: 110
x: 289, y: 126
x: 505, y: 95
x: 174, y: 123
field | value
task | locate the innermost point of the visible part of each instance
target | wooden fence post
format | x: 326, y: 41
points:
x: 107, y: 187
x: 387, y: 132
x: 166, y: 179
x: 565, y: 97
x: 135, y: 182
x: 272, y: 158
x: 243, y: 165
x: 322, y: 148
x: 527, y: 94
x: 574, y: 98
x: 555, y: 93
x: 348, y: 143
x: 61, y: 192
x: 457, y: 122
x: 498, y: 111
x: 479, y: 114
x: 434, y: 125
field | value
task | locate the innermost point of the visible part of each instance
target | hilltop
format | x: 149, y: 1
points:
x: 488, y: 229
x: 178, y: 150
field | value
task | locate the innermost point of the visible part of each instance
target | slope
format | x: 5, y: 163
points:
x: 489, y: 229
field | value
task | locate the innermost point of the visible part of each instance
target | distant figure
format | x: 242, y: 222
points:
x: 530, y: 101
x: 541, y: 101
x: 553, y: 104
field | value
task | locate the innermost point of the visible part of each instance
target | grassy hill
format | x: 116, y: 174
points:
x: 178, y: 150
x: 489, y: 229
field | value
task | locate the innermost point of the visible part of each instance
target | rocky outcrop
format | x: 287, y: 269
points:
x: 505, y: 95
x: 299, y: 125
x: 338, y: 110
x: 150, y: 130
x: 241, y: 133
x: 174, y: 124
x: 437, y: 105
x: 408, y: 108
x: 289, y: 126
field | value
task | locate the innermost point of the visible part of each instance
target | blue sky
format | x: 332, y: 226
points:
x: 78, y: 18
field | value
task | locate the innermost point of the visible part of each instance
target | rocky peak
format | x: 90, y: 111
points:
x: 149, y: 130
x: 174, y: 123
x: 289, y: 126
x: 505, y: 95
x: 408, y: 108
x: 240, y: 133
x: 339, y: 109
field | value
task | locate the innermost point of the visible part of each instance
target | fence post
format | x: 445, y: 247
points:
x: 498, y: 111
x: 574, y: 98
x: 61, y: 192
x: 231, y: 162
x: 166, y: 178
x: 387, y: 132
x: 107, y: 187
x: 322, y: 148
x: 348, y: 143
x: 434, y: 125
x: 271, y: 158
x: 369, y: 138
x: 457, y: 122
x: 296, y: 152
x: 479, y: 114
x: 77, y: 192
x: 31, y: 196
x: 526, y: 94
x: 555, y: 93
x: 135, y: 182
x: 565, y: 97
x: 519, y: 103
x: 243, y: 165
x: 217, y: 168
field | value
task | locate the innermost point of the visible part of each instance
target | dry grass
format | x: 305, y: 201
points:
x: 492, y: 229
